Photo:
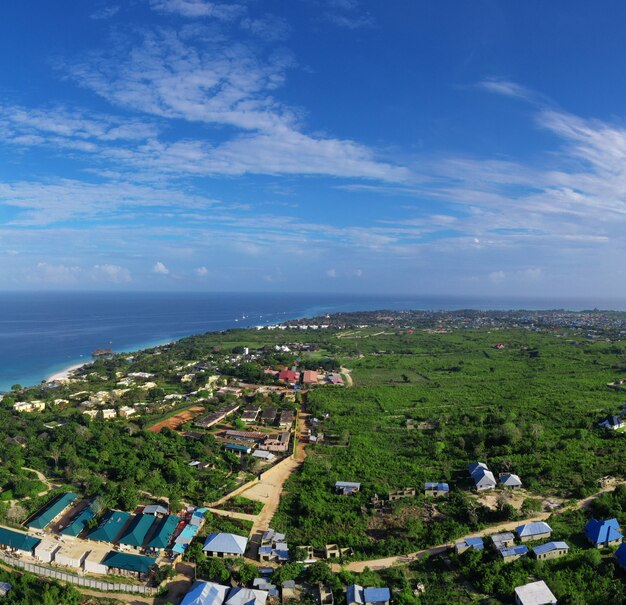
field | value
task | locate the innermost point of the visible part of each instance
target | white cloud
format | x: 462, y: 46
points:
x: 111, y: 273
x: 199, y: 8
x: 270, y: 27
x: 507, y: 89
x: 105, y: 13
x: 332, y: 273
x: 201, y: 271
x: 160, y: 268
x: 55, y: 274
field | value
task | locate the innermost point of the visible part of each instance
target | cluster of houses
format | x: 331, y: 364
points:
x: 614, y: 423
x: 121, y: 543
x: 484, y: 479
x: 309, y: 378
x: 210, y: 593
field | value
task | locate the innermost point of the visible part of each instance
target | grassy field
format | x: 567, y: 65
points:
x: 530, y: 408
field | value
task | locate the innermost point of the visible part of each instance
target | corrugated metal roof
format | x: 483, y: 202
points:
x: 79, y: 523
x: 550, y: 546
x: 442, y: 487
x: 137, y: 530
x: 52, y: 511
x: 226, y: 543
x: 600, y: 532
x: 112, y: 523
x: 620, y: 555
x: 514, y: 550
x: 136, y: 563
x: 377, y: 595
x: 246, y: 596
x: 205, y: 593
x: 162, y: 532
x: 17, y: 540
x: 354, y: 594
x: 533, y: 528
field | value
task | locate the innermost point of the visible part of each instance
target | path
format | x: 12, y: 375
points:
x: 41, y: 478
x: 173, y: 422
x: 359, y: 566
x: 233, y: 514
x: 346, y: 373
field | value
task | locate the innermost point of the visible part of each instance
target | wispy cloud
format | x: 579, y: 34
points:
x: 160, y: 268
x: 347, y: 14
x: 199, y: 8
x: 106, y: 12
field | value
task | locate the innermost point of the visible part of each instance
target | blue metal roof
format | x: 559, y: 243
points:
x: 184, y: 538
x: 475, y: 543
x: 533, y: 528
x: 52, y: 511
x: 377, y: 595
x: 205, y: 593
x: 513, y: 551
x: 442, y: 487
x: 550, y: 546
x: 600, y: 532
x: 354, y: 594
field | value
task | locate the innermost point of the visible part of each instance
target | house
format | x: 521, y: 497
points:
x: 273, y: 547
x: 377, y: 596
x: 290, y: 591
x: 510, y: 480
x: 535, y: 530
x: 205, y: 593
x: 503, y: 540
x: 535, y: 593
x: 276, y: 443
x: 52, y: 511
x: 354, y: 595
x: 17, y: 542
x: 612, y: 422
x: 5, y: 588
x: 290, y: 376
x: 237, y: 448
x: 225, y: 545
x: 155, y: 509
x: 126, y: 411
x: 124, y: 564
x: 162, y: 532
x: 136, y: 531
x: 550, y: 550
x: 436, y: 490
x: 250, y: 414
x: 80, y: 522
x: 347, y: 488
x: 111, y: 525
x: 469, y: 544
x: 29, y: 406
x: 513, y: 553
x: 602, y: 534
x: 310, y: 377
x: 332, y: 551
x: 334, y: 378
x: 620, y: 555
x: 263, y: 455
x: 269, y: 416
x: 246, y: 596
x: 287, y: 418
x: 482, y: 476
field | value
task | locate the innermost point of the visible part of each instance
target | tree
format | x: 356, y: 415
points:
x: 246, y: 572
x: 214, y: 570
x: 16, y: 387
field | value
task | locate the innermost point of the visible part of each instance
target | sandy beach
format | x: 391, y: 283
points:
x: 65, y: 374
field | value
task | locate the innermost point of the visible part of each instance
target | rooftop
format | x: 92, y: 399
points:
x: 535, y: 593
x: 52, y: 511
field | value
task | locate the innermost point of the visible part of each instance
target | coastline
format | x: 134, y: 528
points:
x: 66, y: 373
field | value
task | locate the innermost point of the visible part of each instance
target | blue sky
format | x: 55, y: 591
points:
x: 449, y: 147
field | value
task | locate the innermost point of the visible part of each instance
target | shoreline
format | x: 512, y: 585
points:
x: 66, y: 373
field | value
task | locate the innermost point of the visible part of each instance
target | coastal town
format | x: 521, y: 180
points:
x: 262, y: 431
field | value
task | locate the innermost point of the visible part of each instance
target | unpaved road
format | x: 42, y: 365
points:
x: 173, y: 422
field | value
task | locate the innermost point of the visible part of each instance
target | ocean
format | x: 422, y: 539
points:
x: 42, y: 333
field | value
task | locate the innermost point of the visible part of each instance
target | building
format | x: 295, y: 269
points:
x: 482, y: 476
x: 124, y: 564
x: 535, y: 530
x: 52, y: 511
x: 71, y: 554
x: 469, y: 544
x: 290, y: 376
x: 407, y: 492
x: 511, y: 481
x: 535, y: 593
x: 217, y: 416
x: 263, y: 455
x: 354, y: 595
x: 287, y: 418
x: 113, y: 522
x: 268, y: 416
x: 93, y: 563
x: 290, y: 591
x: 205, y: 593
x: 246, y: 596
x: 225, y: 545
x: 513, y: 553
x: 503, y: 540
x: 612, y: 422
x: 161, y: 533
x: 276, y: 443
x: 45, y: 550
x: 155, y: 509
x: 310, y: 377
x: 436, y: 490
x: 376, y: 596
x: 325, y: 595
x: 602, y: 534
x: 17, y: 542
x: 5, y: 589
x: 250, y: 414
x: 80, y: 522
x: 551, y: 550
x: 136, y: 531
x: 347, y: 488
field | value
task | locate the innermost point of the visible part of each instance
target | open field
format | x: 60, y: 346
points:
x: 173, y: 422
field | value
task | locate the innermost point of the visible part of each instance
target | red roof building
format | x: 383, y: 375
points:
x: 289, y: 376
